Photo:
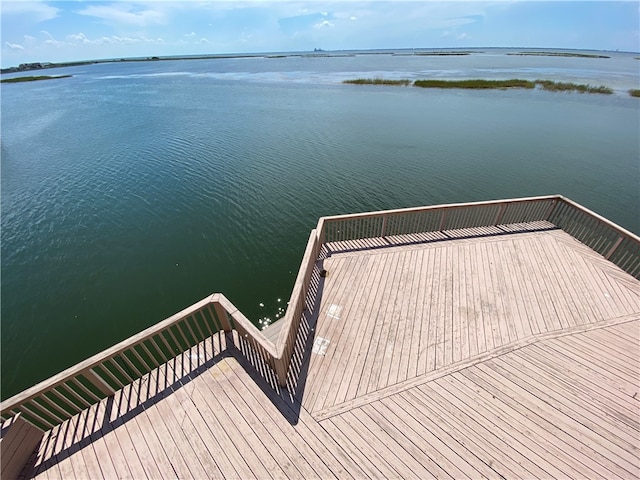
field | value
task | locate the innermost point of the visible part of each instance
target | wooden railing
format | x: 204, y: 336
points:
x: 610, y: 240
x: 60, y: 397
x: 613, y: 242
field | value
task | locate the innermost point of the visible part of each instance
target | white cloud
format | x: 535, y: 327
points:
x: 353, y: 18
x: 14, y: 46
x: 463, y: 36
x: 192, y: 34
x: 29, y: 38
x: 323, y: 24
x: 78, y: 37
x: 53, y: 42
x: 124, y: 14
x: 47, y: 34
x: 35, y: 11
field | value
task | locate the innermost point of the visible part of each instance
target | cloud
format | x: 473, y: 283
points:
x: 14, y: 46
x: 323, y: 24
x: 29, y: 38
x: 124, y: 14
x: 463, y: 36
x: 35, y: 11
x: 192, y: 34
x: 78, y: 37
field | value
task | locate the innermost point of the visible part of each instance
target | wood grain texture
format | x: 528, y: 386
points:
x: 506, y: 356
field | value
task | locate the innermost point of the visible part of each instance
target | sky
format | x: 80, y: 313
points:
x: 54, y: 31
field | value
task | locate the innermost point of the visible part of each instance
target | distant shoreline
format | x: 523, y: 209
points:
x: 559, y: 54
x: 315, y: 54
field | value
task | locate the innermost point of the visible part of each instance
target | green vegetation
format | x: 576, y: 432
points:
x: 559, y: 54
x: 634, y: 92
x: 475, y: 84
x: 480, y: 84
x: 442, y: 53
x: 31, y: 79
x: 572, y: 87
x: 377, y: 81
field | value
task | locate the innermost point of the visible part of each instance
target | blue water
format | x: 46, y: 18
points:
x: 132, y: 190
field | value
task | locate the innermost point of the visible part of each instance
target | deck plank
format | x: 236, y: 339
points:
x: 338, y: 351
x: 337, y: 289
x: 343, y: 367
x: 360, y: 333
x: 560, y: 392
x: 498, y: 412
x: 577, y: 440
x: 364, y: 343
x: 491, y: 445
x: 425, y: 432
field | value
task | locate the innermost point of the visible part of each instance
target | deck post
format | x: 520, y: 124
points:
x: 500, y: 213
x: 443, y: 220
x: 614, y: 247
x: 553, y: 206
x: 384, y: 225
x: 98, y: 382
x: 222, y: 316
x: 281, y: 371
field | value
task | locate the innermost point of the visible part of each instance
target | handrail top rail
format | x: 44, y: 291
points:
x: 444, y: 206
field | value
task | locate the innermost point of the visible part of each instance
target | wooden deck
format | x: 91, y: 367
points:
x: 512, y: 355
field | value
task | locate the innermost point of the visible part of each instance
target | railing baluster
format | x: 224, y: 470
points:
x: 51, y: 409
x: 193, y: 335
x: 186, y: 342
x: 111, y: 376
x: 173, y: 337
x: 206, y: 322
x: 66, y: 401
x: 196, y: 323
x: 130, y: 364
x: 28, y: 412
x: 140, y: 359
x: 98, y: 382
x: 217, y: 326
x: 158, y: 349
x: 68, y: 389
x: 154, y: 361
x: 166, y: 344
x: 84, y: 389
x: 115, y: 363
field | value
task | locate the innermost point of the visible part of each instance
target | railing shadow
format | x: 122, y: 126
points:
x: 114, y: 412
x: 287, y: 400
x: 377, y: 243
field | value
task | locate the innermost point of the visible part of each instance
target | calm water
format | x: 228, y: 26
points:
x: 132, y: 190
